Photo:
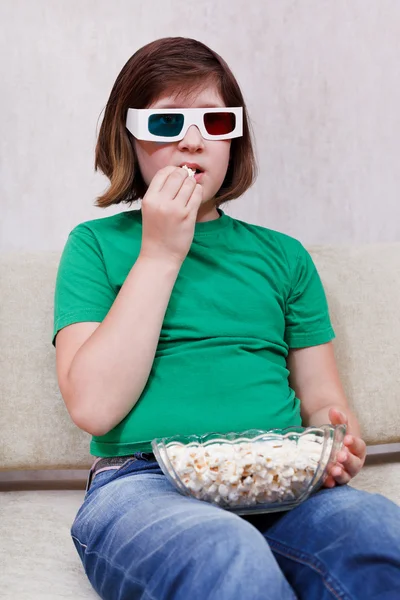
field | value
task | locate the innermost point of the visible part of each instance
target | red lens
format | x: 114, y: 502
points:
x: 219, y: 123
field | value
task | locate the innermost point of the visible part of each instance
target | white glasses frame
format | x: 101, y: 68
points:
x: 137, y: 121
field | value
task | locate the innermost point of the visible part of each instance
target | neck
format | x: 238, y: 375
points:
x: 207, y: 212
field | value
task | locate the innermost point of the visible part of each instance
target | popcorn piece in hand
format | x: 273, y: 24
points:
x: 190, y: 171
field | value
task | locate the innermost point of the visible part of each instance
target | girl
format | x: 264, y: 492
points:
x: 177, y: 319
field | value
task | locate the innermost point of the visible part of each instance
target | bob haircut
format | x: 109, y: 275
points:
x: 174, y: 66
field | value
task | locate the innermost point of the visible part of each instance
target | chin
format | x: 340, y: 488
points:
x: 207, y: 199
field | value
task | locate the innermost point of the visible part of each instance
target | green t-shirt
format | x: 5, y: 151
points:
x: 244, y: 295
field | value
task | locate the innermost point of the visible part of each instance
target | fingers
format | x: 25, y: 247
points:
x: 329, y: 482
x: 174, y: 182
x: 352, y: 455
x: 185, y: 192
x: 352, y: 464
x: 346, y: 467
x: 349, y: 462
x: 195, y: 200
x: 340, y: 475
x: 337, y: 417
x: 356, y: 445
x: 161, y: 177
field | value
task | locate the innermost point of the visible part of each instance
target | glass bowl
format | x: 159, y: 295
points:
x: 253, y: 471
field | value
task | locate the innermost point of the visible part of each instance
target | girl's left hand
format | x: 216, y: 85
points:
x: 351, y: 457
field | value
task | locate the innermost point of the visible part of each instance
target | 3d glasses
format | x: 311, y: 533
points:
x: 171, y: 124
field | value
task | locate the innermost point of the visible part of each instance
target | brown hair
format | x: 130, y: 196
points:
x: 179, y: 66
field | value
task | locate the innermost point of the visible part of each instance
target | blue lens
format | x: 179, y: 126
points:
x: 166, y: 125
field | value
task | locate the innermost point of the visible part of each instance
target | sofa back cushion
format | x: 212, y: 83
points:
x: 363, y: 289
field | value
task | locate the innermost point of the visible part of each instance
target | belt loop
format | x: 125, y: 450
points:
x: 144, y: 456
x: 90, y: 476
x: 89, y: 480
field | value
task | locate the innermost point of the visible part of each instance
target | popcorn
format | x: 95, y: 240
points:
x: 190, y: 171
x: 247, y: 474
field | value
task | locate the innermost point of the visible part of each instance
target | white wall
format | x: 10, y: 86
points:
x: 321, y: 79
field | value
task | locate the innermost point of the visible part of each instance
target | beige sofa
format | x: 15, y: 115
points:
x: 37, y: 556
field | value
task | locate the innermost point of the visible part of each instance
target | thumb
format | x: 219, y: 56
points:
x: 337, y: 417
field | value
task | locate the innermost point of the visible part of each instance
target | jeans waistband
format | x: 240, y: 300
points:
x: 116, y: 461
x: 112, y: 462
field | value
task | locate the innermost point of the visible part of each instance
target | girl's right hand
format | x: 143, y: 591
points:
x: 169, y: 212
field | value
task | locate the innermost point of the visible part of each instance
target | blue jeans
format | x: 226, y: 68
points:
x: 138, y: 538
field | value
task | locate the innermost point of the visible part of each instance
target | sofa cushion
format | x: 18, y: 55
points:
x: 380, y: 478
x: 362, y: 285
x: 37, y: 555
x: 37, y: 431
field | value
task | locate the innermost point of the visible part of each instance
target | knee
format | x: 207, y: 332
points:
x: 234, y: 536
x: 234, y: 560
x: 228, y: 544
x: 365, y: 513
x: 379, y: 514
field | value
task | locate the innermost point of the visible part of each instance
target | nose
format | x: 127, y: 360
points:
x: 192, y: 141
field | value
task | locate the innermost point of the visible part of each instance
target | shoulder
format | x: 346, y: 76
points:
x: 278, y: 242
x: 105, y: 227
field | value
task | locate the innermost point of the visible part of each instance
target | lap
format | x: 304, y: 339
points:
x: 134, y: 520
x: 146, y: 494
x: 147, y: 503
x: 330, y: 546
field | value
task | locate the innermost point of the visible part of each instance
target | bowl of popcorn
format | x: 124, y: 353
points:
x: 251, y: 471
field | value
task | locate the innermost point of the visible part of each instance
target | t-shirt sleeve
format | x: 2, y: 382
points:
x: 307, y: 320
x: 82, y: 291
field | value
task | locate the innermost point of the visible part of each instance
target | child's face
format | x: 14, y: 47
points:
x: 211, y: 156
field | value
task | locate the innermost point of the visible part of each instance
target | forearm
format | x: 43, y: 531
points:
x: 321, y: 417
x: 111, y: 369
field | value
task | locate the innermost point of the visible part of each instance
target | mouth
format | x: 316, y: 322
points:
x: 194, y: 167
x: 199, y: 176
